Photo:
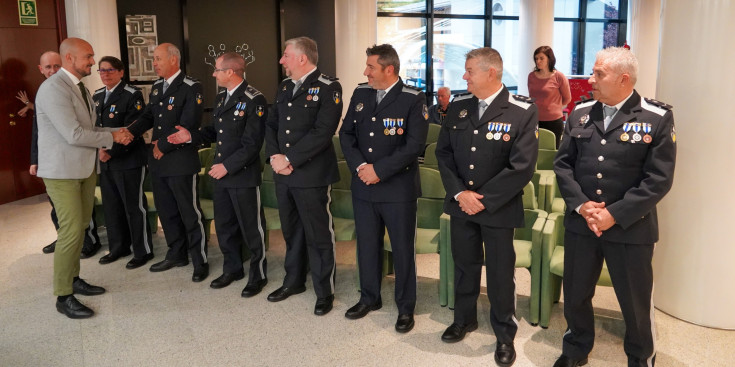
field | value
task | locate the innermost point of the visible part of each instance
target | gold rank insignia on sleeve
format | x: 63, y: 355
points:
x: 199, y: 98
x: 335, y: 96
x: 259, y: 110
x: 138, y: 105
x: 673, y: 134
x: 426, y: 112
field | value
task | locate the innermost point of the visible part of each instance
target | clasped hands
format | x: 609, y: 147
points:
x: 469, y: 202
x: 281, y: 165
x: 597, y: 216
x: 366, y: 173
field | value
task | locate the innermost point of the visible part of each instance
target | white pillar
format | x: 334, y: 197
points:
x: 94, y: 21
x: 644, y: 19
x: 536, y: 24
x: 694, y: 261
x: 355, y: 29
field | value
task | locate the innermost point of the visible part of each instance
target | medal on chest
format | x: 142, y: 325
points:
x: 112, y: 111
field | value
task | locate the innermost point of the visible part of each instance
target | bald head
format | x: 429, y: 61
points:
x: 49, y: 63
x: 166, y: 59
x: 77, y: 56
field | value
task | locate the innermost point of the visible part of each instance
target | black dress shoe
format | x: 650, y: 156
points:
x: 505, y: 354
x: 168, y: 264
x: 284, y: 292
x: 137, y: 262
x: 49, y: 249
x: 565, y: 361
x: 109, y: 258
x: 74, y: 309
x: 225, y: 279
x: 323, y: 305
x: 404, y: 323
x: 88, y: 252
x: 81, y: 287
x: 254, y: 288
x: 200, y: 273
x: 456, y: 332
x: 359, y: 310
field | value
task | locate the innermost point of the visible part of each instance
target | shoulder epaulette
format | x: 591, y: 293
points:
x: 655, y: 106
x: 462, y: 96
x: 98, y: 91
x: 363, y: 85
x: 285, y: 80
x: 582, y: 99
x: 326, y: 79
x: 585, y: 103
x: 190, y: 81
x: 252, y: 92
x: 159, y: 81
x: 224, y: 90
x: 410, y: 89
x: 521, y: 101
x: 130, y: 89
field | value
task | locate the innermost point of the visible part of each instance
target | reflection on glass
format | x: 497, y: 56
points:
x: 599, y: 36
x: 564, y: 47
x: 408, y: 37
x: 466, y: 7
x: 505, y: 40
x: 453, y: 38
x: 404, y: 6
x: 603, y: 9
x: 566, y: 9
x: 507, y: 7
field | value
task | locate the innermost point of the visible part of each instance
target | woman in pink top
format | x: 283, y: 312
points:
x: 550, y: 88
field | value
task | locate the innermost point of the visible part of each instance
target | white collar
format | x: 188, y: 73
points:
x: 113, y: 88
x: 73, y: 77
x: 171, y: 79
x: 229, y: 92
x: 303, y: 78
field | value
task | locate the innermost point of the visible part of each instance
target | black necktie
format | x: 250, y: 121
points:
x: 84, y: 94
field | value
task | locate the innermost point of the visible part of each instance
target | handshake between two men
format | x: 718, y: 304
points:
x: 122, y: 136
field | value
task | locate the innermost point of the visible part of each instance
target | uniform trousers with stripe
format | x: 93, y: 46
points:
x: 309, y: 233
x: 125, y: 208
x: 177, y: 202
x: 371, y: 221
x: 500, y: 258
x: 240, y: 226
x: 90, y: 233
x: 631, y: 273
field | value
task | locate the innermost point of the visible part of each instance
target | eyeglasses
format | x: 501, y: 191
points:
x: 219, y: 70
x: 106, y: 70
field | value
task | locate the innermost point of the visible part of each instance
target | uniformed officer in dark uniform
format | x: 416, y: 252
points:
x: 299, y: 134
x: 122, y: 169
x: 176, y: 99
x: 238, y: 128
x: 487, y: 152
x: 382, y: 136
x: 615, y: 163
x: 49, y: 64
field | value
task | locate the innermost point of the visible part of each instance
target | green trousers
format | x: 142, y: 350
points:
x: 73, y: 200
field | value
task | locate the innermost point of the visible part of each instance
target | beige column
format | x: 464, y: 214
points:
x: 644, y: 20
x: 694, y: 261
x: 536, y: 27
x: 355, y: 30
x: 95, y: 21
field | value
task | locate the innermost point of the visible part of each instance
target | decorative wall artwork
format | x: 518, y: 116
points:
x: 243, y: 50
x: 142, y: 37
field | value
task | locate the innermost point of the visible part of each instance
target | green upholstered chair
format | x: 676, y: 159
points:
x: 545, y: 159
x: 269, y: 201
x: 430, y: 160
x: 546, y: 139
x: 205, y: 154
x: 340, y: 206
x: 527, y: 243
x: 433, y: 135
x: 338, y: 148
x: 552, y: 266
x: 206, y: 188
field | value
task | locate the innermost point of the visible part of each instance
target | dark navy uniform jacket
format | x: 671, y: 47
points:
x: 238, y: 128
x: 395, y: 156
x: 301, y: 126
x: 180, y: 105
x: 497, y: 169
x: 629, y: 176
x: 124, y: 106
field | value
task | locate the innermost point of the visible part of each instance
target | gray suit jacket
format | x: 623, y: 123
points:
x: 67, y: 137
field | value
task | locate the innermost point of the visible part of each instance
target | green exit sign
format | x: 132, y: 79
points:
x: 27, y: 12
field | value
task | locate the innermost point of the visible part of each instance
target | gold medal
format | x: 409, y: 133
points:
x: 489, y: 136
x: 386, y: 131
x: 506, y: 137
x: 624, y: 137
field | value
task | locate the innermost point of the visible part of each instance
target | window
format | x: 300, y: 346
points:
x: 433, y: 36
x: 583, y: 27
